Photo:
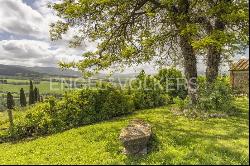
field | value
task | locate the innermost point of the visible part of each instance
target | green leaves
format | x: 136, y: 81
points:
x: 217, y: 96
x: 58, y: 29
x: 135, y: 32
x: 76, y: 108
x: 217, y: 39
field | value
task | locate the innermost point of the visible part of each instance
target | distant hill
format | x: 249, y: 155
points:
x: 8, y: 70
x: 14, y: 70
x: 55, y: 71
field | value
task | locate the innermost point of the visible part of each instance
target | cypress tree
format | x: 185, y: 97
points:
x: 10, y: 106
x: 31, y: 94
x: 23, y: 101
x: 36, y: 95
x: 10, y: 101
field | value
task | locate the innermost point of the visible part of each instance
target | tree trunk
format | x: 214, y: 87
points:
x: 10, y: 119
x: 213, y: 64
x: 190, y: 62
x: 190, y: 67
x: 214, y: 53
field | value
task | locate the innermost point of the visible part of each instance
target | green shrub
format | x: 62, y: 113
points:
x: 217, y: 96
x: 39, y: 120
x: 76, y: 108
x: 147, y: 92
x: 173, y: 82
x: 116, y: 104
x: 182, y: 103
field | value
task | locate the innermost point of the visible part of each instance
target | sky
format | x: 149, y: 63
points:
x: 24, y: 37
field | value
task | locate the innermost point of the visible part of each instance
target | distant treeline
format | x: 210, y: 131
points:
x: 17, y: 83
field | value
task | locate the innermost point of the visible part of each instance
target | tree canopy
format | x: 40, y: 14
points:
x: 139, y: 31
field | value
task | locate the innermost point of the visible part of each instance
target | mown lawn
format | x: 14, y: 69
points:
x: 178, y: 140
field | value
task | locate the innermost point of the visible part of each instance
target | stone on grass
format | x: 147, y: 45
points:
x: 135, y: 137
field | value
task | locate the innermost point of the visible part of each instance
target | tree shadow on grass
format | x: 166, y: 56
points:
x: 178, y: 137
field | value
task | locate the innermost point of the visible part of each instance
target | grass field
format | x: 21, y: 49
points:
x: 44, y: 87
x: 178, y: 140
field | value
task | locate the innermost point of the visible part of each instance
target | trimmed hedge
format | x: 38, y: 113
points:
x: 76, y: 108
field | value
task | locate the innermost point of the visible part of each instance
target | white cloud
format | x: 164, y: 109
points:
x: 17, y: 18
x: 31, y: 26
x: 35, y: 53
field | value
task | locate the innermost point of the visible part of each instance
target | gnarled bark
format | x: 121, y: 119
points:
x: 214, y: 53
x: 190, y: 66
x: 190, y: 61
x: 214, y: 56
x: 213, y: 64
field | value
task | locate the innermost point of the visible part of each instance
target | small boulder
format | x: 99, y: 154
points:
x: 135, y: 137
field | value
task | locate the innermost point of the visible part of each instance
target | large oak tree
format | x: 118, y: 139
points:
x: 138, y: 31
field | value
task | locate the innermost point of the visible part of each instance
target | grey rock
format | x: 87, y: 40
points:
x: 135, y: 137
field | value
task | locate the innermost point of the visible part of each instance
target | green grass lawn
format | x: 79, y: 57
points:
x: 178, y: 140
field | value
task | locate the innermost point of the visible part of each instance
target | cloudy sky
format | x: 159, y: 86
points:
x: 24, y: 37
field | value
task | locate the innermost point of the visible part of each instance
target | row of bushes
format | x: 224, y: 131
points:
x: 76, y: 108
x: 86, y: 106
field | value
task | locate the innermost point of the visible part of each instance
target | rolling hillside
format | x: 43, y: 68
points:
x: 11, y: 70
x: 53, y: 71
x: 8, y: 70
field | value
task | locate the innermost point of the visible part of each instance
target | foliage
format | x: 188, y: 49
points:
x: 147, y: 92
x: 135, y: 32
x: 76, y: 108
x: 23, y: 101
x: 226, y: 23
x: 36, y: 95
x: 216, y: 96
x: 173, y: 82
x: 215, y: 100
x: 182, y: 103
x: 10, y: 101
